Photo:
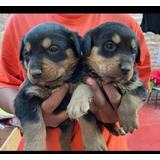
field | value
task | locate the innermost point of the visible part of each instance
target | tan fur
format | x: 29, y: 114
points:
x: 129, y: 76
x: 66, y: 138
x: 93, y: 139
x: 116, y: 39
x: 46, y: 43
x: 71, y: 60
x: 25, y: 65
x: 107, y: 68
x: 55, y: 71
x: 38, y: 91
x: 35, y: 135
x: 51, y: 72
x: 114, y: 129
x: 100, y: 64
x: 79, y: 103
x: 28, y: 46
x: 127, y: 111
x: 132, y: 86
x: 133, y: 43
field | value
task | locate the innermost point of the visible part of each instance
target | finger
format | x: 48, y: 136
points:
x: 50, y: 104
x: 105, y: 112
x: 108, y: 115
x: 112, y: 93
x: 98, y: 97
x: 56, y: 119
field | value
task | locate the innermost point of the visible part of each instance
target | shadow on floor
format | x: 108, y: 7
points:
x: 147, y: 137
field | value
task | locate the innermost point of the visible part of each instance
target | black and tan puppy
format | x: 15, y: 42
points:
x: 111, y: 52
x: 50, y: 54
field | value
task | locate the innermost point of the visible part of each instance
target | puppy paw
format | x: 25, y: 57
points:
x: 77, y: 107
x: 114, y: 129
x: 129, y: 123
x: 118, y: 132
x: 95, y: 145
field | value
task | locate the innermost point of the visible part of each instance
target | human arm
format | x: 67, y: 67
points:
x: 7, y: 96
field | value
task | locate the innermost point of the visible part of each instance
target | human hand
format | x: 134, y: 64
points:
x: 102, y: 108
x: 50, y: 104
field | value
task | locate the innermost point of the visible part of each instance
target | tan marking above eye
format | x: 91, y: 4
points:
x: 70, y: 53
x: 133, y: 43
x: 46, y: 43
x: 28, y: 46
x: 25, y: 65
x: 116, y: 39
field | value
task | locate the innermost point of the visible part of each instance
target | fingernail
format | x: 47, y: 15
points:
x: 66, y: 85
x: 89, y: 81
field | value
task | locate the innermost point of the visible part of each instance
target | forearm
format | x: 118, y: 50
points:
x: 7, y: 96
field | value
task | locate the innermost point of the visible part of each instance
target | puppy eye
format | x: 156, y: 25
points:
x: 109, y: 46
x: 54, y: 48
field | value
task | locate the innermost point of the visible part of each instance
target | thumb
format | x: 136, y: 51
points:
x: 98, y: 96
x: 113, y: 95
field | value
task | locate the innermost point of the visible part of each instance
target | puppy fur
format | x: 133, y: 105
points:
x: 111, y: 52
x: 50, y: 54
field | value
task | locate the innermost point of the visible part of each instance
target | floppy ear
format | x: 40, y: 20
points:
x: 77, y: 42
x: 21, y: 49
x: 87, y: 43
x: 138, y: 55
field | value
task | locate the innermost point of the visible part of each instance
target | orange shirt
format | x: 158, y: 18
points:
x: 12, y: 74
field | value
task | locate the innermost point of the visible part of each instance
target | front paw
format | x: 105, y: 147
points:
x: 77, y: 108
x: 114, y: 129
x: 129, y: 122
x: 94, y: 142
x: 95, y: 146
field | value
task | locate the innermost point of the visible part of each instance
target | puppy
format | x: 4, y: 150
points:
x: 50, y: 54
x: 111, y: 52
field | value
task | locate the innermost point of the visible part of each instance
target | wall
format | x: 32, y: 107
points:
x: 152, y: 40
x: 3, y: 19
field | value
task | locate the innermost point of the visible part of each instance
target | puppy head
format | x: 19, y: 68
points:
x: 49, y: 52
x: 112, y: 49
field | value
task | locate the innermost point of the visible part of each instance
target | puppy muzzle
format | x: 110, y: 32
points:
x: 125, y: 69
x: 36, y: 71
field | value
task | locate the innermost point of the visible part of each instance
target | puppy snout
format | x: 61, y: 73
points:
x: 125, y: 69
x: 36, y: 71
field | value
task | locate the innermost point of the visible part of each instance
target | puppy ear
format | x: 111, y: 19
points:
x: 138, y: 55
x: 77, y: 42
x: 21, y: 49
x: 87, y: 43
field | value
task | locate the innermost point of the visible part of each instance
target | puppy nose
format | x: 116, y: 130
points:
x: 36, y: 72
x: 125, y: 69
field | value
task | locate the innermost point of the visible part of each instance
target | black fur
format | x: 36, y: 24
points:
x: 98, y: 37
x: 28, y: 106
x: 102, y: 33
